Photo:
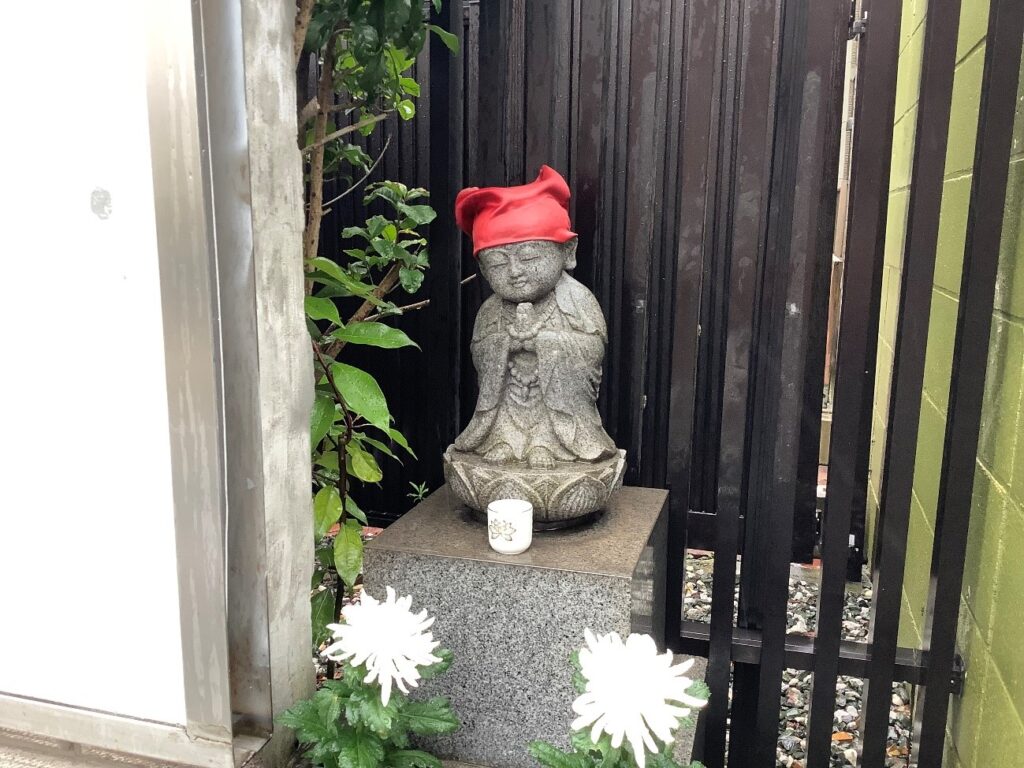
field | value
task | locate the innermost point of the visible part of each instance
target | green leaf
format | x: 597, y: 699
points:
x: 327, y: 460
x: 352, y: 509
x: 322, y: 309
x: 321, y: 418
x: 451, y: 42
x: 608, y: 755
x: 348, y: 232
x: 326, y: 510
x: 362, y: 394
x: 699, y: 689
x: 322, y: 607
x: 418, y: 214
x: 392, y: 191
x: 406, y: 109
x: 409, y: 85
x: 411, y: 758
x: 364, y: 708
x: 552, y: 757
x: 328, y: 267
x: 375, y: 225
x: 440, y: 667
x: 374, y: 335
x: 662, y: 759
x: 430, y: 717
x: 399, y: 737
x: 360, y: 749
x: 345, y: 282
x: 399, y: 439
x: 390, y: 233
x: 437, y: 5
x: 579, y: 682
x: 314, y: 719
x: 328, y: 707
x: 325, y: 555
x: 362, y: 464
x: 580, y: 741
x: 356, y: 156
x: 390, y: 250
x: 411, y: 279
x: 344, y: 687
x: 366, y: 439
x: 348, y: 552
x: 317, y: 578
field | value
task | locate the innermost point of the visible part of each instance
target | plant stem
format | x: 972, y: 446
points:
x: 311, y: 236
x: 303, y: 15
x: 400, y: 310
x: 366, y: 175
x: 308, y: 112
x: 320, y: 141
x: 416, y: 304
x: 384, y: 287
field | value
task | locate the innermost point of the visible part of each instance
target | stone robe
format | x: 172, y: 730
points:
x: 542, y: 392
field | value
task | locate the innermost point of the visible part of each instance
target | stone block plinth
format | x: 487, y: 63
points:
x: 513, y: 620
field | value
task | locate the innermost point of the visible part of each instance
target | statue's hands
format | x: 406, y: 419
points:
x: 524, y: 329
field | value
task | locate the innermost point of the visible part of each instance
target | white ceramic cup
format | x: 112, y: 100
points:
x: 510, y: 526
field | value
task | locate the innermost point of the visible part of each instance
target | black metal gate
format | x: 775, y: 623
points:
x: 701, y: 141
x: 754, y: 650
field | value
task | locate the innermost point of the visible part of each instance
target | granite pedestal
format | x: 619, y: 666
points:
x: 513, y: 620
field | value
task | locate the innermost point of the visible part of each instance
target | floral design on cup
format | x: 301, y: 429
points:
x: 501, y: 529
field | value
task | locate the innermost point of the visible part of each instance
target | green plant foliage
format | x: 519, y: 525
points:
x: 366, y: 49
x: 585, y: 753
x: 419, y: 491
x: 345, y: 725
x: 323, y: 608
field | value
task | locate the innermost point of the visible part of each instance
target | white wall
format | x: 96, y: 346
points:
x: 88, y: 576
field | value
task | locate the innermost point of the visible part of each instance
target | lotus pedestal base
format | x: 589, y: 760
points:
x: 563, y: 495
x: 513, y: 620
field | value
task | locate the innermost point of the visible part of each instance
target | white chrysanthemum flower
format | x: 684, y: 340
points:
x: 632, y: 693
x: 388, y: 638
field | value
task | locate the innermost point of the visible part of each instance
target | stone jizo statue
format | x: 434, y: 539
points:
x: 538, y: 344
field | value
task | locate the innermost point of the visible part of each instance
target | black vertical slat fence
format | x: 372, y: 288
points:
x: 668, y: 157
x: 695, y: 166
x: 445, y: 121
x: 974, y: 322
x: 941, y: 23
x: 797, y: 254
x: 854, y: 389
x: 700, y: 139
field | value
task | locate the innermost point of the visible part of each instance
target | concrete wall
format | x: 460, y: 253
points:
x: 285, y: 355
x: 987, y: 722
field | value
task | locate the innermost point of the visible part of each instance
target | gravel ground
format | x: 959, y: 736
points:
x: 796, y: 684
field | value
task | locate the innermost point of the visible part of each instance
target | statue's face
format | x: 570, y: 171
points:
x: 526, y: 271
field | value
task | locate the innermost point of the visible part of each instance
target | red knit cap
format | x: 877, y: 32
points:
x: 502, y: 215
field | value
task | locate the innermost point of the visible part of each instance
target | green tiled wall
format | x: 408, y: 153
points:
x: 986, y: 728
